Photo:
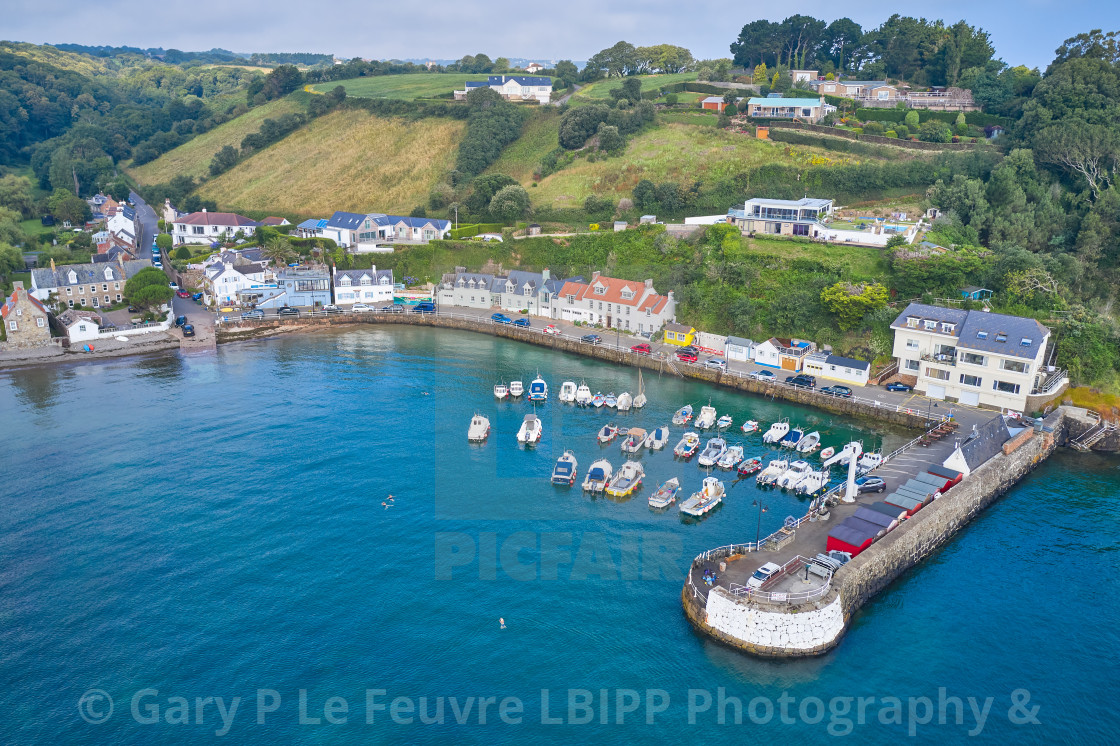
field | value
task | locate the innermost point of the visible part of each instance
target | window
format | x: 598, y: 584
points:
x: 40, y: 322
x: 600, y: 290
x: 968, y: 380
x: 12, y: 325
x: 937, y: 374
x: 198, y: 230
x: 366, y: 280
x: 911, y: 344
x: 1026, y: 342
x: 571, y: 299
x: 118, y: 297
x: 116, y: 286
x: 92, y: 289
x: 981, y: 335
x: 107, y: 298
x: 1001, y: 337
x: 70, y: 303
x: 1015, y: 366
x: 947, y: 328
x: 912, y: 365
x: 69, y: 291
x: 929, y: 324
x: 81, y: 327
x: 800, y: 229
x: 81, y: 290
x: 1007, y: 388
x: 972, y: 358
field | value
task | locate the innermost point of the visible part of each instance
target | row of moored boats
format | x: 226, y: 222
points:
x: 570, y: 393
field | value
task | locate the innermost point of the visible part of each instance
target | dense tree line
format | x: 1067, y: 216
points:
x: 492, y: 124
x: 624, y: 59
x: 290, y: 58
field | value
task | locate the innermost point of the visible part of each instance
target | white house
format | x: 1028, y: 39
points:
x: 803, y: 76
x: 534, y: 67
x: 358, y: 230
x: 535, y: 292
x: 513, y: 87
x: 785, y: 354
x: 122, y: 224
x: 81, y: 326
x: 836, y: 368
x: 81, y: 285
x: 370, y: 286
x: 786, y: 217
x: 974, y: 357
x: 738, y: 348
x: 223, y: 282
x: 615, y: 303
x: 808, y: 109
x: 206, y: 227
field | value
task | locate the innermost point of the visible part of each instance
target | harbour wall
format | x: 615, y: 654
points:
x: 233, y: 332
x: 814, y: 628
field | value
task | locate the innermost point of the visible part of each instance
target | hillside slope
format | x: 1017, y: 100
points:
x: 346, y: 160
x: 193, y: 157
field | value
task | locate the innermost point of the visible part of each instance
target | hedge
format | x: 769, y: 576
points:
x: 467, y: 231
x: 978, y: 118
x: 836, y: 144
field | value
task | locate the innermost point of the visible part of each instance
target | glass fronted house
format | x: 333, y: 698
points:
x: 781, y: 216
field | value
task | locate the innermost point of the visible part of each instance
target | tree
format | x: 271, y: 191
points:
x: 960, y: 125
x: 15, y: 194
x: 483, y: 190
x: 911, y: 120
x: 645, y: 196
x: 182, y: 253
x: 65, y: 207
x: 934, y: 130
x: 567, y: 72
x: 841, y: 36
x: 510, y: 203
x: 148, y: 288
x: 610, y: 140
x: 759, y: 73
x: 164, y: 241
x: 223, y: 160
x: 598, y: 207
x: 851, y: 303
x: 279, y: 82
x: 1086, y: 150
x: 278, y: 250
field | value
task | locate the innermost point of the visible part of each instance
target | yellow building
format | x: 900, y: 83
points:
x: 679, y: 334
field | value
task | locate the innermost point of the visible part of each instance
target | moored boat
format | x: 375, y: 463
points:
x: 776, y: 468
x: 607, y: 433
x: 793, y: 437
x: 750, y: 426
x: 776, y: 432
x: 707, y: 417
x: 640, y: 397
x: 565, y: 470
x: 598, y: 476
x: 567, y: 392
x: 625, y: 401
x: 870, y: 461
x: 627, y: 479
x: 713, y: 451
x: 501, y: 391
x: 583, y: 395
x: 827, y: 453
x: 516, y: 388
x: 814, y: 483
x: 724, y: 422
x: 479, y: 429
x: 598, y: 400
x: 635, y: 440
x: 710, y: 495
x: 538, y: 390
x: 658, y: 438
x: 666, y: 494
x: 683, y: 415
x: 687, y: 446
x: 730, y: 458
x: 793, y: 476
x: 809, y: 443
x: 610, y: 400
x: 531, y: 430
x: 749, y: 466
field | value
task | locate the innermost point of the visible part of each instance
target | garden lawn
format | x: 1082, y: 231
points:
x: 600, y: 90
x: 403, y: 87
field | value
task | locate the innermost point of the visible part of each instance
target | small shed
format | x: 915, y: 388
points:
x: 762, y: 133
x: 620, y: 225
x: 973, y: 292
x: 852, y: 539
x: 648, y: 220
x: 909, y: 504
x: 738, y: 348
x: 891, y: 511
x: 876, y: 518
x: 678, y: 334
x: 534, y: 229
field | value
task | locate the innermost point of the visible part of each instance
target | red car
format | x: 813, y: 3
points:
x: 642, y: 349
x: 183, y: 294
x: 687, y: 357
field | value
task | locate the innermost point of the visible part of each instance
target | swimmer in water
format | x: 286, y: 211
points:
x: 502, y: 622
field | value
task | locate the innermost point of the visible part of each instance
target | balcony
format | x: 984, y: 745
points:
x: 942, y: 358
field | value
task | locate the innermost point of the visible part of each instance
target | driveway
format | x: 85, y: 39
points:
x: 148, y: 225
x: 198, y: 317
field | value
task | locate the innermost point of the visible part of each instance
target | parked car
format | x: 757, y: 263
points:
x: 157, y: 263
x: 331, y: 309
x: 254, y: 313
x: 188, y: 330
x: 360, y: 308
x: 500, y: 318
x: 183, y: 294
x: 391, y: 308
x: 523, y: 323
x: 180, y: 321
x: 197, y: 297
x: 762, y: 574
x: 870, y: 484
x: 642, y: 349
x: 762, y: 375
x: 173, y: 286
x: 288, y: 311
x: 896, y: 386
x: 842, y: 391
x: 685, y: 356
x: 424, y: 308
x: 716, y: 363
x: 551, y: 329
x: 803, y: 380
x: 133, y: 309
x: 690, y: 349
x: 591, y: 339
x: 490, y: 237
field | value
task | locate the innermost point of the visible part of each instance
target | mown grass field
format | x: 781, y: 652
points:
x: 600, y: 90
x: 346, y: 160
x: 857, y: 262
x: 193, y: 157
x: 404, y: 87
x: 540, y: 136
x: 670, y: 152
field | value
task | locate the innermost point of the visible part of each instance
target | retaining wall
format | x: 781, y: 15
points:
x: 812, y: 629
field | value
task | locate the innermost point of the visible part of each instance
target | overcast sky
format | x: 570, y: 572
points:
x: 1023, y: 31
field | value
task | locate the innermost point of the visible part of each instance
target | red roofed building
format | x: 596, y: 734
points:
x: 623, y: 304
x: 207, y: 227
x: 25, y: 320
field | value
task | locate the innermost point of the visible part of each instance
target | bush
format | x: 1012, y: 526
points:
x: 671, y: 99
x: 510, y: 203
x: 934, y: 130
x: 182, y: 253
x: 874, y: 128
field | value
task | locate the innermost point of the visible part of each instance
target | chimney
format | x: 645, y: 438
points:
x: 52, y: 265
x: 545, y: 275
x: 595, y: 275
x: 17, y: 285
x: 203, y: 210
x: 649, y: 284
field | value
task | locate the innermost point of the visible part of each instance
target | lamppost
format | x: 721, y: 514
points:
x: 930, y: 406
x: 758, y: 529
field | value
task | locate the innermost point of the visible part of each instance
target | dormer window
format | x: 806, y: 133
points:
x: 108, y: 273
x: 461, y: 283
x: 366, y: 280
x: 73, y: 277
x: 627, y: 293
x: 384, y: 281
x: 1001, y: 337
x: 1026, y: 342
x: 930, y: 324
x: 528, y: 290
x: 981, y: 335
x: 600, y: 290
x: 947, y: 327
x: 345, y: 281
x: 912, y: 322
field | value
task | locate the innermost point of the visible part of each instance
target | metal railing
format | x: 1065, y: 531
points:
x: 788, y: 569
x: 1052, y: 381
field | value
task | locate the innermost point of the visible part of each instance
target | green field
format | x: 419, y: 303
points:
x: 193, y: 157
x: 600, y: 90
x: 857, y: 262
x: 402, y: 87
x: 521, y: 158
x: 694, y: 117
x: 345, y: 160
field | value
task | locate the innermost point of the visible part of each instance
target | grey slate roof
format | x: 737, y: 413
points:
x: 847, y: 362
x: 481, y: 281
x: 985, y: 442
x: 937, y: 313
x: 739, y: 341
x: 85, y: 273
x: 525, y: 80
x: 346, y: 220
x: 969, y: 324
x: 356, y: 275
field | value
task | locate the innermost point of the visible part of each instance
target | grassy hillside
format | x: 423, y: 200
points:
x: 540, y: 136
x: 193, y: 157
x: 346, y: 160
x: 403, y: 87
x: 601, y: 89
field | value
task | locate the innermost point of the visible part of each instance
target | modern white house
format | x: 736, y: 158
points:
x: 206, y: 227
x: 975, y: 357
x: 785, y: 217
x: 513, y: 87
x: 357, y: 230
x: 615, y: 303
x: 370, y: 286
x: 836, y: 368
x: 223, y: 282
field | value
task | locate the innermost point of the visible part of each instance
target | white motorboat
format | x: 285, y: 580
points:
x: 634, y: 441
x: 869, y: 461
x: 707, y: 417
x: 792, y: 477
x: 607, y: 433
x: 710, y: 495
x: 625, y: 401
x: 688, y: 446
x: 666, y: 494
x: 479, y: 429
x: 583, y: 395
x: 640, y: 397
x: 813, y: 483
x: 531, y: 430
x: 610, y: 400
x: 658, y: 438
x: 538, y: 390
x: 627, y: 479
x: 598, y: 400
x: 731, y: 457
x: 567, y: 392
x: 501, y: 391
x: 713, y: 452
x: 776, y: 468
x: 516, y: 388
x: 750, y: 426
x: 565, y: 470
x: 683, y: 415
x: 793, y: 437
x: 809, y: 443
x: 724, y: 422
x: 598, y: 476
x: 776, y: 432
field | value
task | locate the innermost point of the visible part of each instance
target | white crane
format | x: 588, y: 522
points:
x: 850, y: 454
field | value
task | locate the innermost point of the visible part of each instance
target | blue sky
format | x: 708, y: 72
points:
x: 1023, y: 31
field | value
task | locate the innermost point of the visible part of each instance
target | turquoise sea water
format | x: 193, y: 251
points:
x: 212, y: 527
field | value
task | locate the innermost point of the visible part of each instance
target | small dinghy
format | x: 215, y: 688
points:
x: 531, y: 430
x: 713, y: 452
x: 567, y: 392
x: 776, y: 432
x: 793, y: 438
x: 607, y: 433
x: 776, y: 468
x: 809, y: 443
x: 516, y: 388
x: 583, y: 395
x: 666, y: 494
x: 627, y: 479
x: 479, y: 429
x: 750, y: 466
x: 683, y: 415
x: 731, y: 458
x: 598, y: 476
x: 635, y: 440
x: 501, y: 391
x: 707, y: 417
x: 750, y: 426
x: 724, y: 422
x: 658, y: 438
x: 564, y: 473
x: 598, y: 400
x: 827, y: 453
x: 625, y: 401
x: 611, y: 400
x: 709, y: 496
x: 688, y: 446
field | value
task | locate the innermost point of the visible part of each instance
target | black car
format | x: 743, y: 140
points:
x: 424, y: 308
x: 180, y: 321
x: 390, y: 309
x: 896, y: 386
x: 803, y: 380
x: 188, y: 330
x: 870, y: 484
x: 288, y: 311
x: 591, y: 339
x: 842, y: 391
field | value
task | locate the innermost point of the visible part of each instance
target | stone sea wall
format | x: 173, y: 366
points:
x: 812, y: 629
